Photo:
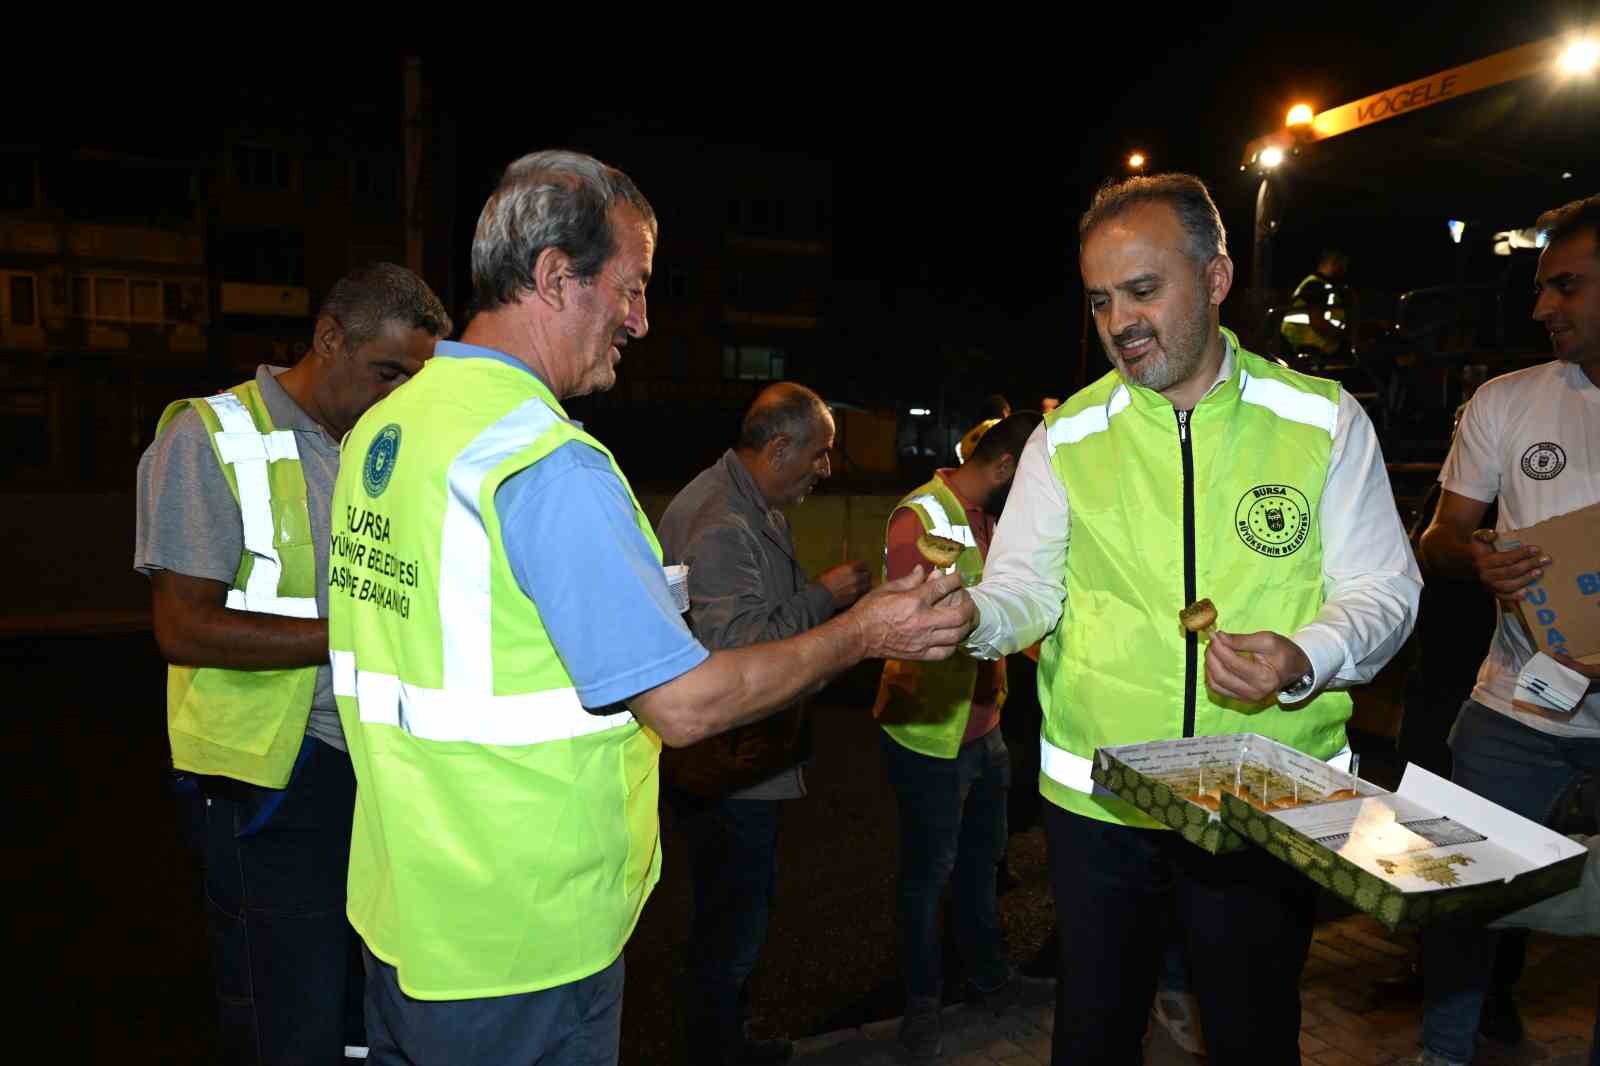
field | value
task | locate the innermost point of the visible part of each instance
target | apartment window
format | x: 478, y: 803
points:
x: 375, y: 179
x: 262, y: 168
x: 146, y: 303
x: 21, y: 290
x: 110, y: 298
x: 751, y: 363
x: 16, y: 183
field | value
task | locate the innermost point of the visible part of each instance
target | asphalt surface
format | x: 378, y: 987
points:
x: 108, y: 921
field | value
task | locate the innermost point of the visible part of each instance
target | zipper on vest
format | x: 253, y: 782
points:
x: 1191, y: 653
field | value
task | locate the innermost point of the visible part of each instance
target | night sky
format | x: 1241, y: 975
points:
x: 961, y: 154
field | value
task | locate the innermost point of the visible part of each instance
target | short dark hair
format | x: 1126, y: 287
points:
x: 1569, y: 219
x: 996, y: 406
x: 366, y: 299
x: 1184, y: 193
x: 1006, y: 437
x: 783, y: 409
x: 551, y: 199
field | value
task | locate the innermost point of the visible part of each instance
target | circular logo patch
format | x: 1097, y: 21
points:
x: 1273, y: 519
x: 382, y: 454
x: 1544, y: 460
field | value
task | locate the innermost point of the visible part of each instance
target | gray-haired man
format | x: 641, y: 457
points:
x: 506, y: 708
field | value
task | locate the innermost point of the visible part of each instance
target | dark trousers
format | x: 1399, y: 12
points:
x: 1245, y: 917
x: 282, y: 952
x: 575, y: 1024
x: 733, y: 865
x: 1525, y: 771
x: 952, y: 831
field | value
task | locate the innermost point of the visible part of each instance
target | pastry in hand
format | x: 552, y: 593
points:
x: 1199, y: 617
x: 940, y: 551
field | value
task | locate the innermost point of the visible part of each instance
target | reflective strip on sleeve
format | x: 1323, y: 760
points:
x: 442, y: 715
x: 1288, y: 402
x: 287, y: 606
x: 248, y: 451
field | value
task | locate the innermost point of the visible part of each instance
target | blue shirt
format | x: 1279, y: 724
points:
x: 567, y: 524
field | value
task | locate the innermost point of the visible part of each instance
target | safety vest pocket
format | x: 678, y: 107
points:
x: 225, y: 707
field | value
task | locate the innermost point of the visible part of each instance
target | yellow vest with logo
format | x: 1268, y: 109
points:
x: 249, y: 724
x: 505, y: 836
x: 1167, y: 507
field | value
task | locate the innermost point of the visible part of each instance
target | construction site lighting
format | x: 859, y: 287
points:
x: 1580, y: 57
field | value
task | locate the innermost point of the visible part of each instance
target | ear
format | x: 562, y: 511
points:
x: 777, y: 449
x: 552, y: 277
x: 1005, y: 469
x: 327, y: 338
x: 1219, y: 279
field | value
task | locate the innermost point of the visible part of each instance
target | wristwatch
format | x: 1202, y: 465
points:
x: 1299, y: 689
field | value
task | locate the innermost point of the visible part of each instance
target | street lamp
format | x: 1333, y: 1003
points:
x: 1136, y: 161
x: 1580, y: 57
x: 1271, y: 158
x: 1299, y: 115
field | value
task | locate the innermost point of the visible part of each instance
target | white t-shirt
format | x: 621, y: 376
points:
x: 1531, y: 440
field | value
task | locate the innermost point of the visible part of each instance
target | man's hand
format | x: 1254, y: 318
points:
x: 915, y: 617
x: 1508, y: 572
x: 847, y: 582
x: 1253, y: 667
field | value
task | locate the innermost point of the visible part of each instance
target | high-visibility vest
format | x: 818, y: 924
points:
x: 1119, y: 668
x: 925, y: 706
x: 1316, y: 298
x: 505, y: 836
x: 249, y: 724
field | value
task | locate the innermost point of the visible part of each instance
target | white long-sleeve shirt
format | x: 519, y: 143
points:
x: 1370, y: 578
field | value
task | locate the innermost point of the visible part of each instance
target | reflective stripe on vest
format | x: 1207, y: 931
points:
x: 464, y: 552
x: 940, y: 521
x: 245, y: 448
x: 1307, y: 408
x: 1073, y: 428
x: 1073, y: 771
x: 467, y: 708
x: 939, y: 526
x: 437, y: 714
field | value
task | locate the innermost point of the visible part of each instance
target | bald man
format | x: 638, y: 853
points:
x: 745, y: 587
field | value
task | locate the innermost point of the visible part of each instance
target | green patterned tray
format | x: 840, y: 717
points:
x: 1201, y: 827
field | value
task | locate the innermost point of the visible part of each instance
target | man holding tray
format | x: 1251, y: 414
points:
x: 1194, y: 470
x: 1526, y: 441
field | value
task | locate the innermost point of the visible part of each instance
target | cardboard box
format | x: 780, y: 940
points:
x: 1430, y: 852
x: 1561, y: 610
x: 1163, y: 777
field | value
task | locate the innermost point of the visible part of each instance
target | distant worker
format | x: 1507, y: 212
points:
x: 1319, y: 313
x: 995, y: 407
x: 943, y: 750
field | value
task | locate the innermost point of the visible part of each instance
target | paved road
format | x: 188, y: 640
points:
x: 110, y: 935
